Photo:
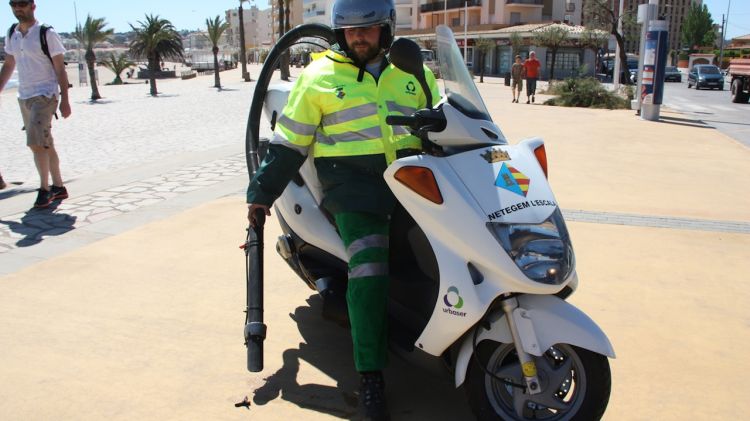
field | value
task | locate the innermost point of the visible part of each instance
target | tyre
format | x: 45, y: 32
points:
x: 738, y: 96
x: 576, y: 384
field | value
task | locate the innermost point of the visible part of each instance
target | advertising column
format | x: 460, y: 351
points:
x: 654, y: 64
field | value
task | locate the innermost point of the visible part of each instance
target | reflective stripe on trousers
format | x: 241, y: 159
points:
x: 365, y: 236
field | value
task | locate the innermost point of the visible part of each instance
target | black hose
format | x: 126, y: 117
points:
x: 255, y: 329
x: 252, y: 135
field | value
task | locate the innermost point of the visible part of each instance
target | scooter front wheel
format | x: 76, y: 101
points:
x: 575, y: 382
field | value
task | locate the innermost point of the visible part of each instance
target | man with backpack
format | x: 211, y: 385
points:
x: 38, y: 52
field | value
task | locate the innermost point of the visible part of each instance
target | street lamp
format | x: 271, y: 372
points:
x: 243, y: 58
x: 724, y: 27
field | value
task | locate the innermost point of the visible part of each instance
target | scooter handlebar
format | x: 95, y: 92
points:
x: 399, y: 120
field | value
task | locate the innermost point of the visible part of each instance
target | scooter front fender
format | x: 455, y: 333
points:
x: 543, y: 321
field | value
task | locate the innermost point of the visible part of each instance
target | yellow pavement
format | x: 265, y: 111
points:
x: 148, y: 324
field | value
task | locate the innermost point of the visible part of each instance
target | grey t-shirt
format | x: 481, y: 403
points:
x: 516, y: 71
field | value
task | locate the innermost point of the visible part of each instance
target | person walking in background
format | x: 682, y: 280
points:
x: 516, y: 75
x: 41, y: 80
x: 531, y: 72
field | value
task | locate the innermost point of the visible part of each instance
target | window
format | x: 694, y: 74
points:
x: 566, y: 63
x: 515, y: 17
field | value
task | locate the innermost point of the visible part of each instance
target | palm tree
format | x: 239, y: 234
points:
x: 283, y: 27
x: 117, y: 64
x: 215, y: 28
x: 91, y: 33
x: 155, y: 39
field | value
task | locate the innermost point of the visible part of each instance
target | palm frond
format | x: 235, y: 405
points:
x: 156, y: 37
x: 216, y: 28
x: 92, y: 32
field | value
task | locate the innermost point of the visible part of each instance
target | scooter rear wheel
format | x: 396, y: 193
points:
x: 576, y: 384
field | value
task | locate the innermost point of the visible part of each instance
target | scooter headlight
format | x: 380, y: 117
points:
x: 543, y: 251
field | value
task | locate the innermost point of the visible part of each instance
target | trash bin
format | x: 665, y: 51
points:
x: 507, y: 79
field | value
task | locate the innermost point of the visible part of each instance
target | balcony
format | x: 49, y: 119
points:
x: 525, y: 3
x: 313, y: 13
x: 439, y: 6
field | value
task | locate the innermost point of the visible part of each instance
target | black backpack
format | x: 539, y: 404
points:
x: 42, y: 38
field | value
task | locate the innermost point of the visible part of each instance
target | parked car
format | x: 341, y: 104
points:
x: 632, y: 70
x: 671, y: 74
x: 705, y: 76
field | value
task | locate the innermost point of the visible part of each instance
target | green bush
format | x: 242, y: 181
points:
x: 684, y: 56
x: 585, y: 92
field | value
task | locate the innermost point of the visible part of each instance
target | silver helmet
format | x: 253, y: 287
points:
x: 364, y: 13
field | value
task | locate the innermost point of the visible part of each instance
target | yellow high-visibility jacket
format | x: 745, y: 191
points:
x: 340, y: 115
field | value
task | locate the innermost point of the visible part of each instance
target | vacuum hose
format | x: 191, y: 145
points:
x: 252, y: 135
x: 255, y: 329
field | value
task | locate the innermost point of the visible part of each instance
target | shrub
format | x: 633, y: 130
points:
x: 585, y: 92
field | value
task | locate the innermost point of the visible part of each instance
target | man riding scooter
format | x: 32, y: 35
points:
x: 336, y: 111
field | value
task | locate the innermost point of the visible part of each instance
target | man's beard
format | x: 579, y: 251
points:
x: 24, y: 17
x: 365, y: 56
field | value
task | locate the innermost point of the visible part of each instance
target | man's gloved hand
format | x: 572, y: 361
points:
x: 251, y: 208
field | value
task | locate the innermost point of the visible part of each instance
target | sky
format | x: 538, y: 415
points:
x: 192, y: 14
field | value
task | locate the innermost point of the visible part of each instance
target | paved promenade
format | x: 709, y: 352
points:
x: 125, y: 301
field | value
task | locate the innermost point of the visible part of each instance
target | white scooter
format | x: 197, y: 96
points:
x: 481, y: 260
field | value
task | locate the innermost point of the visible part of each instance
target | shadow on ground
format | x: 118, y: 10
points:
x: 39, y: 223
x: 412, y: 393
x: 11, y: 192
x: 327, y: 347
x: 689, y: 122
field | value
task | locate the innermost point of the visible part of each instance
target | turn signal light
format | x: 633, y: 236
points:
x: 421, y: 181
x: 541, y: 156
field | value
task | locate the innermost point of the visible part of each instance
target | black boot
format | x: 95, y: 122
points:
x: 372, y: 397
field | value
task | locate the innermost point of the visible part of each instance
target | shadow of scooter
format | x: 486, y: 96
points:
x: 412, y: 393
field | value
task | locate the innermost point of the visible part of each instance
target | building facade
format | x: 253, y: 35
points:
x: 296, y: 13
x: 258, y: 30
x: 673, y: 11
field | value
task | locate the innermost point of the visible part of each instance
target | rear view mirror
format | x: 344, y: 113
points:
x: 407, y: 56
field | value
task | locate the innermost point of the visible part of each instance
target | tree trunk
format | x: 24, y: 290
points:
x: 623, y: 59
x: 284, y: 59
x: 552, y: 65
x: 217, y: 80
x: 153, y: 66
x: 481, y: 63
x: 91, y: 63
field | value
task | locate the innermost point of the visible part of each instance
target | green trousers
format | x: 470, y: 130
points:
x: 365, y: 237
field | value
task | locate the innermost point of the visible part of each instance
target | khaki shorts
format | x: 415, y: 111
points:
x: 37, y: 115
x: 518, y: 83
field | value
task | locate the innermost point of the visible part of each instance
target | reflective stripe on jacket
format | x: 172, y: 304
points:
x: 341, y: 116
